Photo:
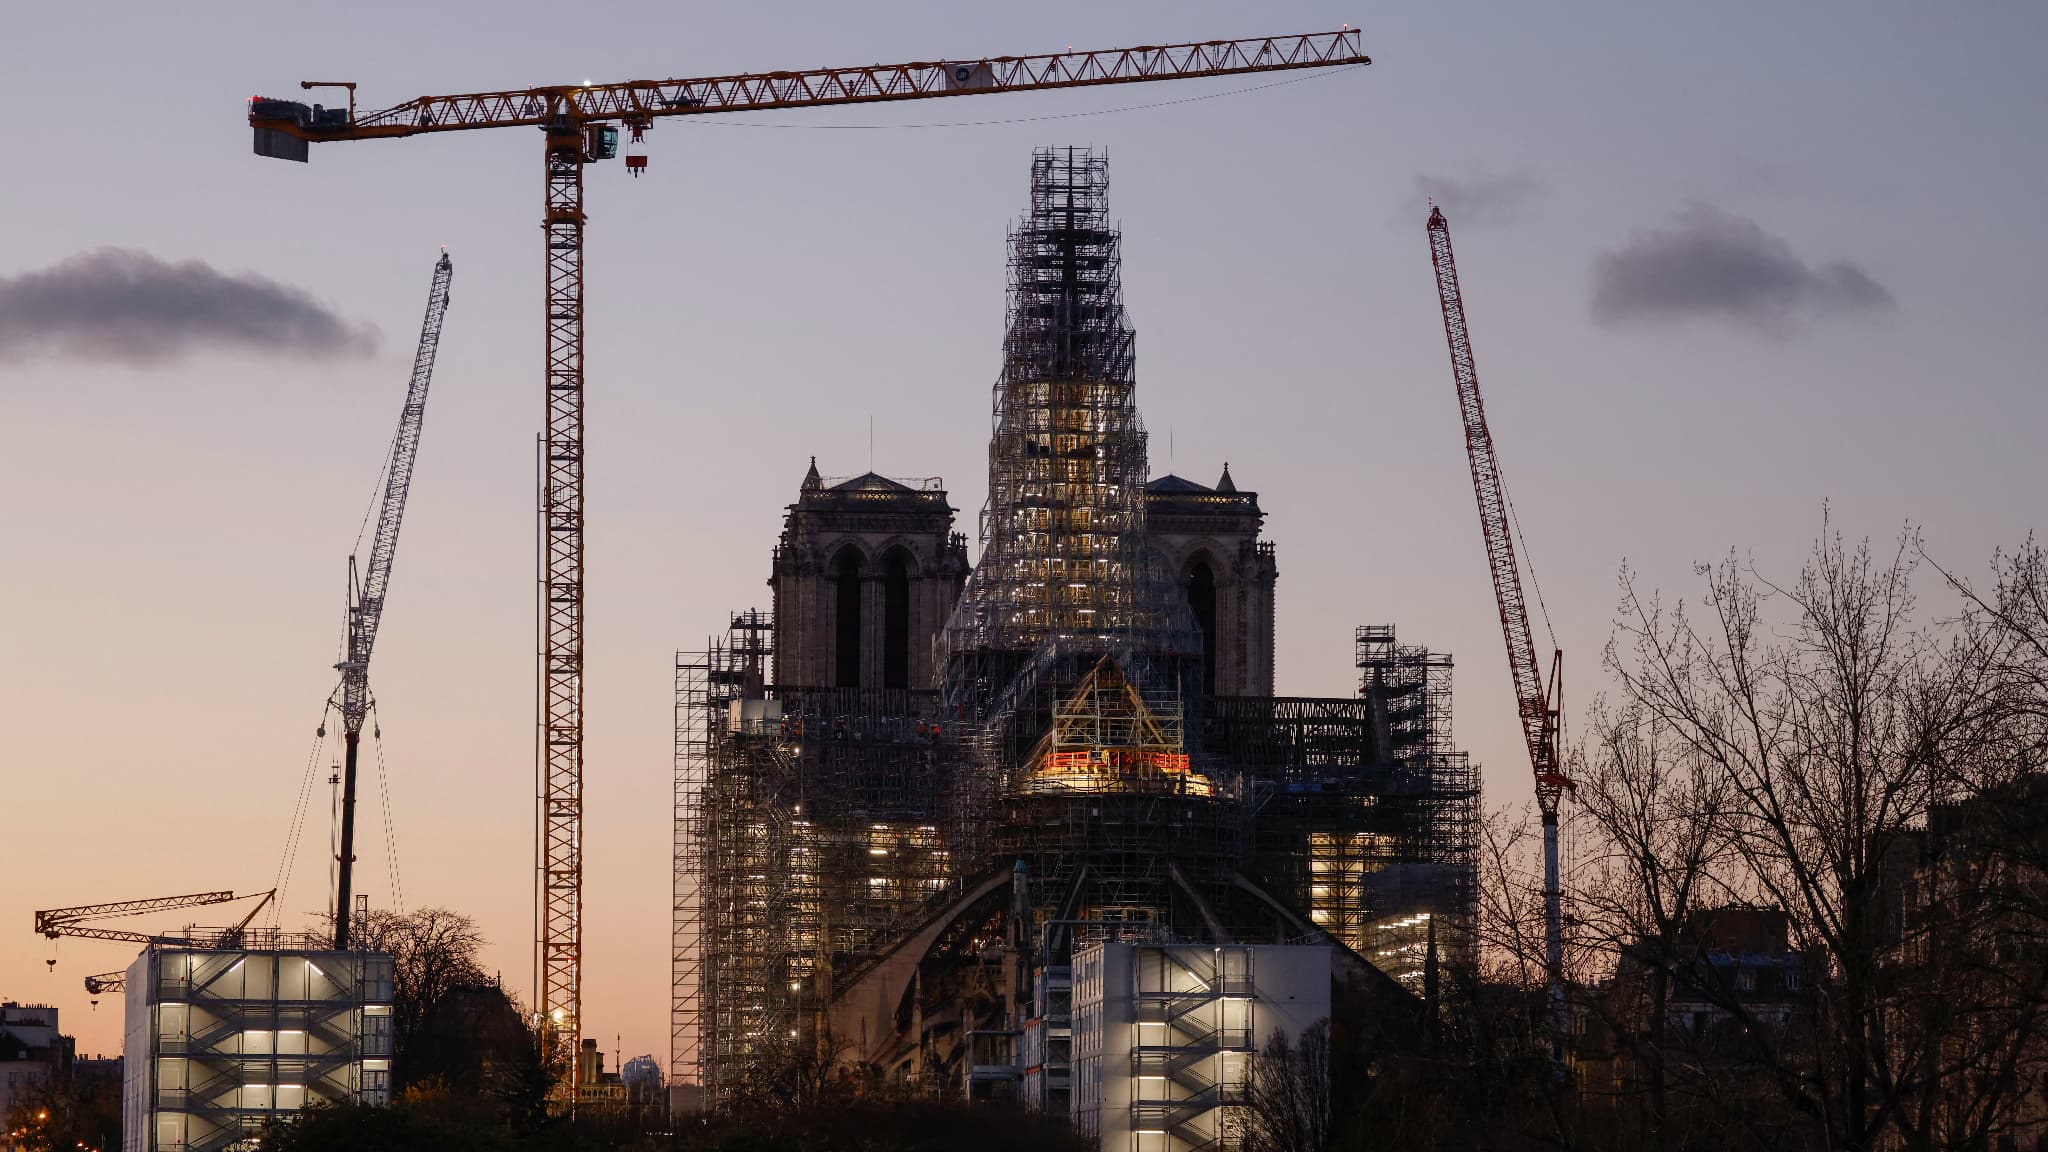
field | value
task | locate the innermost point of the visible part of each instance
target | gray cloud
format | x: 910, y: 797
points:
x: 122, y: 305
x: 1482, y: 201
x: 1706, y: 263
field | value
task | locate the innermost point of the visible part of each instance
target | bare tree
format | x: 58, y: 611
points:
x: 1984, y: 901
x: 794, y: 1074
x: 434, y: 951
x: 1287, y: 1101
x: 1653, y: 849
x: 1837, y: 728
x: 1497, y: 1074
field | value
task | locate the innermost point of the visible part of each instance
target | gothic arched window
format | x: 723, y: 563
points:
x: 1202, y: 598
x: 896, y: 619
x: 846, y: 622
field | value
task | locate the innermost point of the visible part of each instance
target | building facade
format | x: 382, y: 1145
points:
x: 220, y: 1041
x: 865, y: 574
x: 1164, y: 1035
x: 32, y: 1052
x: 1207, y: 540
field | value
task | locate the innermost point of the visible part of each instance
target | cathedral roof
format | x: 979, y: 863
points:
x: 871, y: 482
x: 870, y: 492
x: 1170, y: 500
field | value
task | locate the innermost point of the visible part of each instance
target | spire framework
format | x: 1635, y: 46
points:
x: 1063, y: 560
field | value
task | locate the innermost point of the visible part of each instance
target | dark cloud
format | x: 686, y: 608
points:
x: 1484, y: 201
x: 123, y: 305
x: 1705, y: 263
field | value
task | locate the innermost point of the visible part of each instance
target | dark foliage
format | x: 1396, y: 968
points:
x: 438, y: 1121
x: 74, y: 1110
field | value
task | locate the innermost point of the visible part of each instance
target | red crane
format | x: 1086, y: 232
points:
x: 1541, y: 707
x: 579, y: 125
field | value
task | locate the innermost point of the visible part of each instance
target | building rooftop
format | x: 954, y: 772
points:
x: 1177, y: 495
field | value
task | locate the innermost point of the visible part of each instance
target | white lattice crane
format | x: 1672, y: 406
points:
x: 366, y: 594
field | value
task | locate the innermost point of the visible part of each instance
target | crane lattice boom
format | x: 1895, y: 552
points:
x: 1532, y: 700
x: 1541, y: 709
x: 366, y: 609
x: 638, y: 101
x: 73, y: 922
x: 580, y: 125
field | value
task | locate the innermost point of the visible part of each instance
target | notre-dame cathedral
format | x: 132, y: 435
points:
x: 912, y: 788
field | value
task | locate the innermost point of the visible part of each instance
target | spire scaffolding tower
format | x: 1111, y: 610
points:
x: 1063, y: 560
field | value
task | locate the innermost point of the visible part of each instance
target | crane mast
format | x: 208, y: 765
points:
x: 1541, y: 708
x: 366, y: 596
x: 580, y: 126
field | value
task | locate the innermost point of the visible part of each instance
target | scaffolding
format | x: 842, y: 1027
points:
x: 1111, y: 817
x: 707, y: 684
x: 1063, y: 556
x: 1426, y: 899
x: 692, y: 763
x: 809, y: 836
x: 1366, y: 813
x: 1107, y: 737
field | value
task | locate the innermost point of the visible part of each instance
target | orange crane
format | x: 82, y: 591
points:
x: 580, y: 125
x: 1541, y: 707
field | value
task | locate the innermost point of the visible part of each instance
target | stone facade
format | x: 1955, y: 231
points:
x: 1207, y: 539
x: 868, y: 570
x: 865, y: 574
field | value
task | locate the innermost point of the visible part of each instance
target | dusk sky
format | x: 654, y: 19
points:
x: 1723, y: 263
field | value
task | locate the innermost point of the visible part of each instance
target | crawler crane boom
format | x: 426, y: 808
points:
x: 366, y: 596
x: 1541, y: 708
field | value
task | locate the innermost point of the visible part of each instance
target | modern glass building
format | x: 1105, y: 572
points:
x: 219, y: 1041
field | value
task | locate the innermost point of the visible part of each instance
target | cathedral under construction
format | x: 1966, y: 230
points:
x: 910, y: 793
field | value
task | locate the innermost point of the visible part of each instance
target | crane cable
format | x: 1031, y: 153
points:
x: 286, y: 863
x: 390, y: 825
x: 376, y: 493
x: 1528, y: 557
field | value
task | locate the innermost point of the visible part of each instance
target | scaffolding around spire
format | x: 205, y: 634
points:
x: 1063, y: 558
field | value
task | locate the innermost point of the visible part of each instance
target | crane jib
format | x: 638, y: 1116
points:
x: 283, y: 127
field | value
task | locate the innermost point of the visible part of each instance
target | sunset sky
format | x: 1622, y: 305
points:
x: 1723, y: 263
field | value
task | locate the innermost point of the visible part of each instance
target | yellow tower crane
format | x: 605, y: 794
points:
x: 580, y: 125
